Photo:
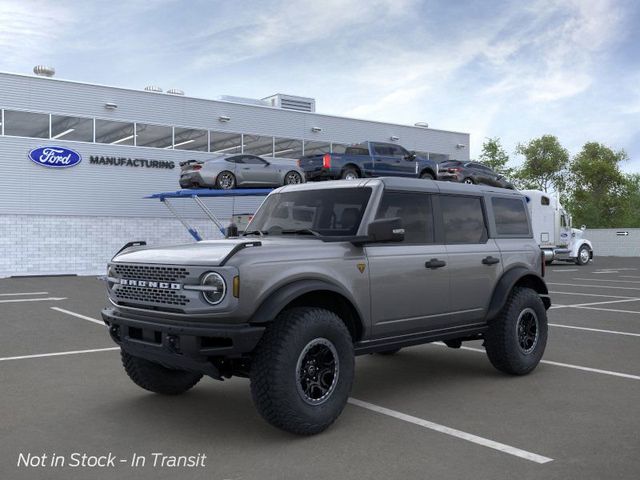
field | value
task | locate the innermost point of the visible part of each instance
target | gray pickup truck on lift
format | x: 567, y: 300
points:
x: 324, y: 272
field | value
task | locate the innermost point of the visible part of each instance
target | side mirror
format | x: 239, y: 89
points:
x: 232, y: 231
x: 583, y: 228
x: 386, y: 230
x: 411, y: 156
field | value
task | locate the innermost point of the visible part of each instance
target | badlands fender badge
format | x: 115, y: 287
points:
x: 361, y: 267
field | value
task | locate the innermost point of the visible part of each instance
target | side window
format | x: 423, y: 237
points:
x: 237, y: 159
x: 252, y: 160
x: 398, y: 151
x: 545, y: 200
x: 511, y: 216
x: 382, y: 149
x: 414, y: 209
x: 463, y: 219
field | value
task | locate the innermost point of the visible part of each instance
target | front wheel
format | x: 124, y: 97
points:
x: 517, y: 337
x: 225, y: 180
x: 156, y: 378
x: 292, y: 178
x: 302, y: 371
x: 584, y: 255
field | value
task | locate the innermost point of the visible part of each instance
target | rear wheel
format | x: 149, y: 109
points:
x: 468, y: 181
x: 517, y: 337
x: 427, y: 176
x: 584, y: 255
x: 156, y: 378
x: 225, y: 180
x: 302, y: 371
x: 350, y: 173
x: 292, y: 178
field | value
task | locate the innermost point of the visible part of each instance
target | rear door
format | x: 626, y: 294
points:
x: 475, y: 264
x: 406, y: 294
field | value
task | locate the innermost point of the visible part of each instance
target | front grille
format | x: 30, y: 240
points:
x: 150, y: 295
x: 151, y: 273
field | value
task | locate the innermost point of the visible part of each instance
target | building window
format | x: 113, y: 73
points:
x: 257, y: 145
x: 157, y: 136
x: 115, y: 133
x: 26, y: 124
x: 511, y: 216
x: 287, y: 148
x: 190, y: 139
x: 225, y: 143
x: 71, y: 128
x: 316, y: 148
x: 463, y: 219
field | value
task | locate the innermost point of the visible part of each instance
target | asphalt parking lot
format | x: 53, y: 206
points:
x: 427, y: 412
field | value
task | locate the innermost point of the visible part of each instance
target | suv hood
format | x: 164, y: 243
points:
x: 208, y: 252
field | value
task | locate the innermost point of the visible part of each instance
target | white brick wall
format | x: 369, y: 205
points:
x: 53, y: 245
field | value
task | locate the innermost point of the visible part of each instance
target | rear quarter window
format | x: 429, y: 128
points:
x: 463, y: 219
x: 510, y: 216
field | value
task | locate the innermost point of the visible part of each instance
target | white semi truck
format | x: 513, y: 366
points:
x: 553, y: 231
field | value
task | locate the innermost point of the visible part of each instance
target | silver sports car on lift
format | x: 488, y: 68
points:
x: 240, y: 170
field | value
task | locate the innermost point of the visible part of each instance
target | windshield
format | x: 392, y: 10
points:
x: 323, y: 212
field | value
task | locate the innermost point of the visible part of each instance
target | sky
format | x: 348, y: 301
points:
x: 509, y: 69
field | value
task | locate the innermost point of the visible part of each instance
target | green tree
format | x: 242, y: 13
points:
x: 545, y: 164
x: 495, y: 157
x: 600, y: 195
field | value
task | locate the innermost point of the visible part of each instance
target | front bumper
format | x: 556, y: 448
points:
x: 181, y: 345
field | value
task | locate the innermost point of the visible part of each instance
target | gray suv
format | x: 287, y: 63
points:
x: 325, y: 272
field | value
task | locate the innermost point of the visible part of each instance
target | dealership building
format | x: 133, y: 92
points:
x: 127, y: 144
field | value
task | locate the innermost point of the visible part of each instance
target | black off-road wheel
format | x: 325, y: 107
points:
x: 225, y: 180
x: 302, y: 371
x: 156, y: 378
x: 517, y: 337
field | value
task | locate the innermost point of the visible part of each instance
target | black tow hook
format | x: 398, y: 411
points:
x: 173, y: 343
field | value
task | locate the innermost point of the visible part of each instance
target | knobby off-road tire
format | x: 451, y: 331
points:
x: 299, y: 342
x: 517, y: 337
x: 156, y: 378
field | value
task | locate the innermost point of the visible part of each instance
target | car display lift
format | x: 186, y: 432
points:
x: 197, y: 195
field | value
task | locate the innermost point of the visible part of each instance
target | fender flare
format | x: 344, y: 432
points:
x: 580, y: 243
x: 282, y: 296
x: 506, y: 283
x: 430, y: 170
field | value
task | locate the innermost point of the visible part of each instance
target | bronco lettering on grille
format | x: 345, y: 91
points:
x: 149, y: 284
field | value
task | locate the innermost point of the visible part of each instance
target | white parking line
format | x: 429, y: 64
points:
x: 588, y: 294
x: 73, y: 314
x: 485, y: 442
x: 57, y: 354
x: 610, y: 310
x: 562, y: 270
x: 598, y: 330
x: 593, y: 286
x: 608, y: 280
x: 629, y: 276
x: 578, y: 305
x: 48, y: 299
x: 22, y: 293
x: 605, y: 272
x: 566, y: 365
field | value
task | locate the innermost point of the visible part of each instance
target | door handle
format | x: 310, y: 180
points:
x: 435, y: 263
x: 490, y: 260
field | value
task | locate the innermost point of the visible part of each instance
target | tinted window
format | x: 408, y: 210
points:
x: 257, y: 145
x: 190, y: 139
x: 115, y: 133
x: 157, y: 136
x: 72, y: 128
x: 315, y: 148
x: 545, y: 200
x: 357, y: 151
x: 414, y: 209
x: 26, y: 124
x: 287, y: 148
x: 463, y: 219
x: 226, y: 143
x: 330, y: 212
x: 238, y: 159
x: 510, y: 215
x: 251, y: 160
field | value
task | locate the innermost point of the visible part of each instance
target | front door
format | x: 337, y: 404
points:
x: 409, y: 280
x: 256, y: 171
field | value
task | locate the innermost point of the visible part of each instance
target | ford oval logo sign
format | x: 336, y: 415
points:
x: 55, y: 157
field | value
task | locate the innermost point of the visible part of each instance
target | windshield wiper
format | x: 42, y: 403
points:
x: 255, y: 232
x: 301, y: 231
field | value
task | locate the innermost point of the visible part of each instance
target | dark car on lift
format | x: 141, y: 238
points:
x: 471, y: 173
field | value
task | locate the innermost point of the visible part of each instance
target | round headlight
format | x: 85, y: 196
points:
x: 216, y: 288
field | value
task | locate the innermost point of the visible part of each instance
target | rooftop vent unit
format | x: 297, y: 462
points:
x: 44, y: 71
x: 291, y: 102
x: 244, y: 100
x: 175, y: 91
x: 153, y: 88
